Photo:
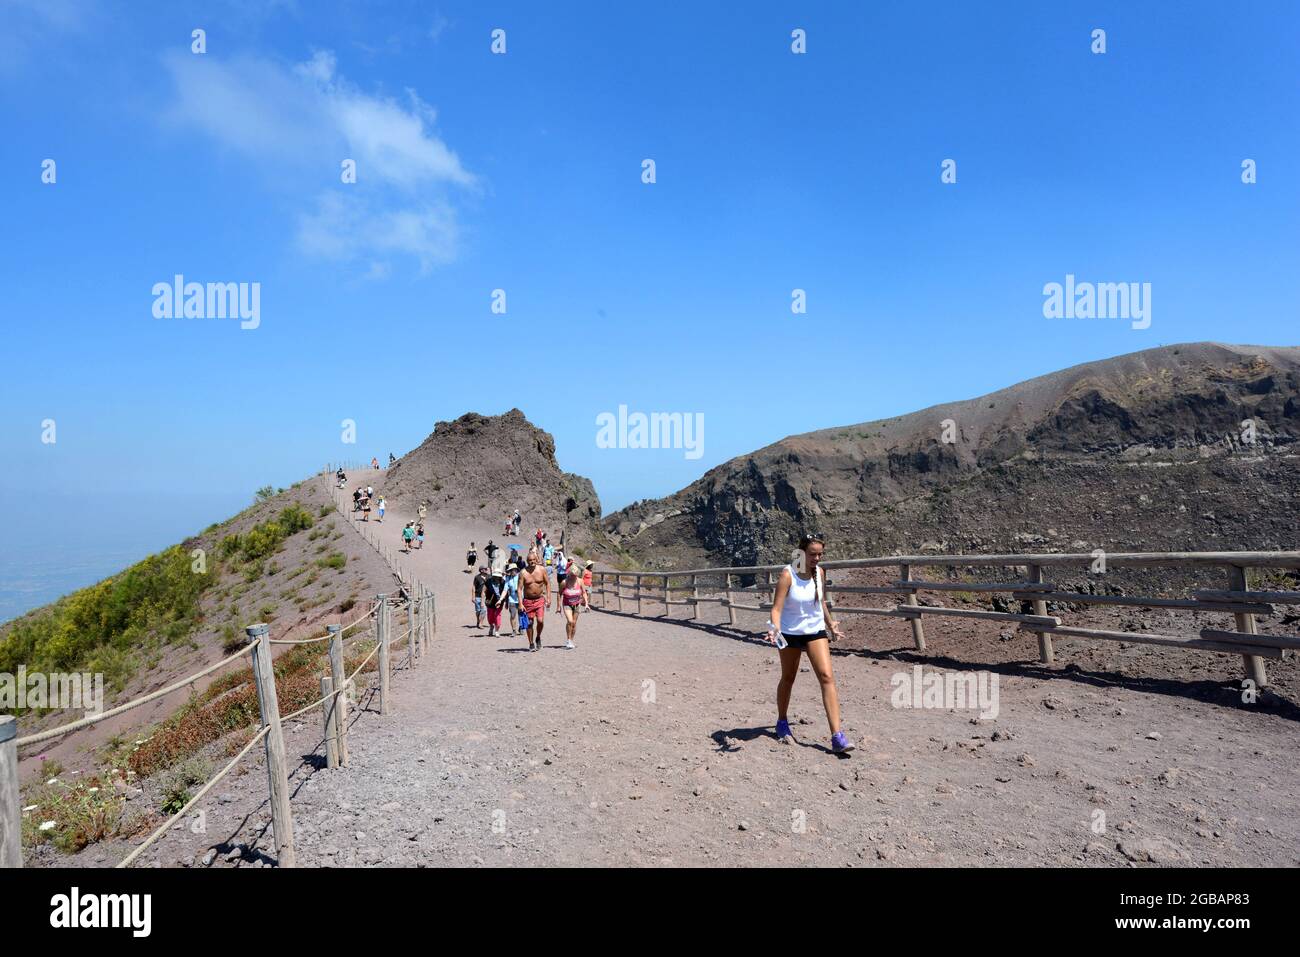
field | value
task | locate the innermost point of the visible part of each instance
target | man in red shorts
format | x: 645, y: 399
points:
x: 534, y: 589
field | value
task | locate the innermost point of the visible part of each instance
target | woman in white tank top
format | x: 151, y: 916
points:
x: 803, y: 619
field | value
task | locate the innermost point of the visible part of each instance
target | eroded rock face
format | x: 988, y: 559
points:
x: 1131, y: 451
x: 482, y: 467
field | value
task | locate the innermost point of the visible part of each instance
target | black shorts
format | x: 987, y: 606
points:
x: 801, y: 641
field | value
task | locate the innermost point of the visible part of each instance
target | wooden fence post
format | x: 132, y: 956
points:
x: 331, y: 710
x: 695, y: 593
x: 259, y: 636
x: 731, y: 612
x: 618, y: 589
x: 421, y: 641
x: 338, y: 678
x: 1046, y: 651
x: 413, y: 620
x: 918, y: 629
x: 382, y: 631
x: 11, y: 821
x: 638, y: 593
x: 1237, y: 581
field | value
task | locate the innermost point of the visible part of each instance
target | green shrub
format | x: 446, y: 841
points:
x: 102, y: 627
x: 229, y: 546
x: 294, y: 518
x: 232, y: 639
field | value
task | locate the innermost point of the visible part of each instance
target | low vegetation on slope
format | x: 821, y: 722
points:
x: 172, y: 760
x: 286, y: 560
x: 112, y: 627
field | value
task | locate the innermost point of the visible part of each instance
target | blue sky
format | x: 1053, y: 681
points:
x: 522, y: 172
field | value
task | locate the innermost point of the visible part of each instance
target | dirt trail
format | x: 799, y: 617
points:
x: 651, y: 744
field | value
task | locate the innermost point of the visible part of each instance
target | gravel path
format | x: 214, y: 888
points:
x: 651, y: 744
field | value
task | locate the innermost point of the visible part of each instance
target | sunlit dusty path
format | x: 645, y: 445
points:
x: 651, y: 744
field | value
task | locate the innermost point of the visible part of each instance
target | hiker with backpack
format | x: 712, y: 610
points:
x: 494, y: 597
x: 802, y: 624
x: 408, y: 536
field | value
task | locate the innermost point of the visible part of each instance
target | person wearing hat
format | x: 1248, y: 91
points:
x: 586, y: 581
x: 494, y: 596
x: 512, y: 596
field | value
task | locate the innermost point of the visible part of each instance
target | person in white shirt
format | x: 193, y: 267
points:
x: 802, y: 619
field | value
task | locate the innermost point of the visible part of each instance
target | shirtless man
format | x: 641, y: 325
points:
x: 535, y: 590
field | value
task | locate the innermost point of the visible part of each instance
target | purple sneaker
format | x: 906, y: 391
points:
x: 839, y: 743
x: 783, y: 731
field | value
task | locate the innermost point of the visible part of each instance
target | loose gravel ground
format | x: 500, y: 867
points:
x: 651, y: 744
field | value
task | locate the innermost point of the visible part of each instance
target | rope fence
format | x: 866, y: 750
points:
x: 421, y: 610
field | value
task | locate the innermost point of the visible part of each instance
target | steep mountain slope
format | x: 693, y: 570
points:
x: 1143, y: 449
x: 486, y: 466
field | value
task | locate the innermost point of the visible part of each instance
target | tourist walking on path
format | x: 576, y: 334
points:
x: 494, y: 596
x: 574, y: 595
x: 802, y: 624
x: 561, y: 563
x: 408, y: 536
x: 419, y: 537
x: 476, y: 592
x: 383, y: 504
x: 471, y: 558
x: 512, y: 596
x: 490, y: 550
x: 424, y: 511
x: 586, y: 581
x: 537, y: 535
x: 518, y: 521
x: 534, y: 587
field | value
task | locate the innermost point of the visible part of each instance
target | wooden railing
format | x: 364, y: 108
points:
x: 1031, y: 585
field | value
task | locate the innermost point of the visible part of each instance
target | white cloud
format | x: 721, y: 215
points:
x: 344, y: 227
x: 288, y: 117
x: 32, y: 28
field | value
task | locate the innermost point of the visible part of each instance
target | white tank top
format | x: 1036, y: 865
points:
x: 802, y: 612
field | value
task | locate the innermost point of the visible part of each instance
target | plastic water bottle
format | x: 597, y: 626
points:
x: 773, y: 634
